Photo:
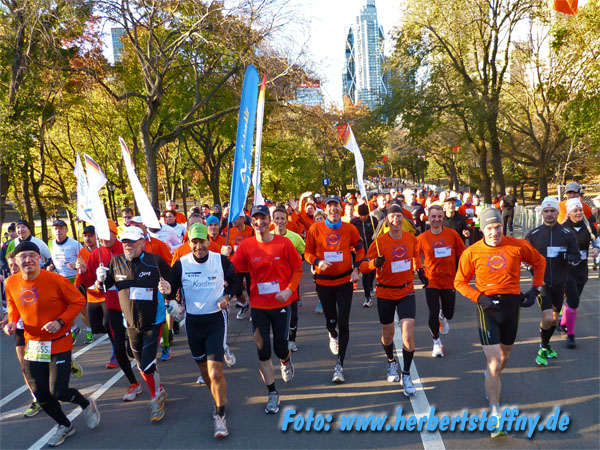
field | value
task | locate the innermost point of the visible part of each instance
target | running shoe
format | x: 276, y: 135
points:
x: 89, y: 337
x: 542, y: 357
x: 562, y: 329
x: 162, y: 393
x: 60, y: 435
x: 292, y: 346
x: 113, y: 363
x: 165, y: 354
x: 444, y: 325
x: 221, y: 427
x: 33, y: 409
x: 498, y: 431
x: 157, y: 409
x: 229, y: 357
x: 200, y: 380
x: 319, y: 308
x: 571, y: 341
x: 91, y: 414
x: 242, y: 312
x: 272, y: 403
x: 74, y: 333
x: 287, y: 371
x: 239, y: 304
x: 367, y: 303
x: 133, y: 391
x: 76, y: 369
x: 338, y: 374
x: 409, y: 387
x: 392, y: 372
x: 438, y: 349
x: 550, y: 352
x: 334, y: 345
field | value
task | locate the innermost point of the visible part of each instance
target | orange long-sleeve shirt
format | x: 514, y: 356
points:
x: 401, y: 260
x: 93, y: 295
x: 335, y: 246
x: 441, y: 253
x: 44, y: 300
x: 497, y: 269
x: 236, y: 236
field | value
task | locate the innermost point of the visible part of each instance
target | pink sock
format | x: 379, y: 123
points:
x: 570, y: 315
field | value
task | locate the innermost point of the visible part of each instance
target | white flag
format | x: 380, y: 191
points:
x: 260, y: 112
x: 350, y: 144
x: 143, y: 203
x: 96, y: 180
x: 84, y: 211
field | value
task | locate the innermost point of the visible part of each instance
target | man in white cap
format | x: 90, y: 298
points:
x: 558, y: 244
x: 496, y: 261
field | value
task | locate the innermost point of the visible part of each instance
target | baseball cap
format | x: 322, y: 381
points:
x: 573, y: 186
x: 197, y: 231
x: 212, y: 219
x: 550, y: 202
x: 333, y: 198
x: 317, y: 195
x: 26, y: 246
x: 132, y: 234
x: 90, y: 229
x: 490, y: 215
x: 259, y: 209
x: 59, y: 223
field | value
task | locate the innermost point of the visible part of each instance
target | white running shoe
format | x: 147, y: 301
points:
x: 334, y: 345
x: 292, y: 346
x: 133, y: 391
x: 60, y: 435
x: 409, y: 387
x: 367, y: 303
x: 444, y: 325
x: 287, y: 371
x: 200, y: 380
x: 272, y: 403
x: 229, y: 357
x: 91, y: 414
x: 221, y: 430
x: 438, y: 349
x: 338, y: 374
x: 392, y: 372
x: 242, y: 312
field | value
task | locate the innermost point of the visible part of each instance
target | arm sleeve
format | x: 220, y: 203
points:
x: 75, y: 302
x: 464, y: 275
x: 295, y: 279
x: 367, y: 264
x: 233, y: 281
x: 359, y: 248
x: 310, y: 248
x: 110, y: 281
x: 532, y: 257
x: 459, y: 245
x: 174, y: 280
x: 13, y: 312
x: 238, y: 260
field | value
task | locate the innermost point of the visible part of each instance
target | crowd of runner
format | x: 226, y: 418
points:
x: 143, y: 284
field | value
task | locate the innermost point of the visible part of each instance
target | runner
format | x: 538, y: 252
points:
x: 393, y: 255
x: 509, y: 201
x: 366, y: 228
x: 573, y: 190
x: 96, y: 307
x: 24, y: 234
x: 559, y: 245
x: 441, y: 248
x: 495, y: 261
x: 454, y: 220
x: 171, y: 221
x: 47, y: 303
x: 275, y: 270
x: 578, y: 273
x: 136, y: 275
x: 201, y: 276
x: 237, y: 233
x: 329, y: 247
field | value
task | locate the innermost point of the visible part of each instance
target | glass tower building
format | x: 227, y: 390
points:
x: 117, y: 45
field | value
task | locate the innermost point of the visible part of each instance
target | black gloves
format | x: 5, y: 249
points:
x: 378, y: 262
x: 422, y: 277
x: 573, y: 259
x: 528, y: 299
x: 488, y: 304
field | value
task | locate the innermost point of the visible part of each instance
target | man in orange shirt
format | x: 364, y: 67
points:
x: 441, y: 247
x: 179, y: 216
x: 96, y: 309
x: 329, y: 247
x: 395, y: 258
x: 47, y: 303
x: 495, y: 261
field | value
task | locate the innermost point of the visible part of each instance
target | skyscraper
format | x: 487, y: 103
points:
x: 117, y: 45
x: 363, y: 73
x: 309, y: 93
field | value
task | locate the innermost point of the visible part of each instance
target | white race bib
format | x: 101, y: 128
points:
x: 270, y: 287
x: 442, y: 252
x: 469, y: 211
x: 141, y: 294
x: 334, y: 256
x: 553, y: 252
x: 401, y: 266
x: 40, y: 351
x: 583, y: 254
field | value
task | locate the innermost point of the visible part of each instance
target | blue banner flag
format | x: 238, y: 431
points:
x: 242, y: 162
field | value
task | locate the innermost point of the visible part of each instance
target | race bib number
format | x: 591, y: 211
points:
x: 583, y: 254
x: 270, y: 287
x: 141, y: 294
x: 442, y: 252
x: 553, y: 252
x: 401, y: 266
x: 469, y: 211
x: 334, y: 256
x: 40, y: 351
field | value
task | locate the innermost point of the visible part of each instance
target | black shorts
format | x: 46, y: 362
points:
x: 552, y: 297
x: 144, y: 345
x: 406, y: 307
x: 206, y: 335
x: 265, y: 320
x: 500, y: 327
x: 20, y: 338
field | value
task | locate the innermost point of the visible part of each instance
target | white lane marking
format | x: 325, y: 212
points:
x: 420, y: 404
x: 23, y: 388
x: 41, y: 442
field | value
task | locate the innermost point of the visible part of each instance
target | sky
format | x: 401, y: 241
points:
x: 329, y: 22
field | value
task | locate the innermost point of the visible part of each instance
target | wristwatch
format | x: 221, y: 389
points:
x: 61, y: 322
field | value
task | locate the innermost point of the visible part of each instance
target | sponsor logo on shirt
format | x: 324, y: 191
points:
x: 497, y: 262
x: 399, y: 252
x: 333, y: 239
x: 439, y: 244
x: 28, y: 295
x: 145, y: 274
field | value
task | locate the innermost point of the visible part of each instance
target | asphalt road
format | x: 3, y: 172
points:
x: 452, y: 385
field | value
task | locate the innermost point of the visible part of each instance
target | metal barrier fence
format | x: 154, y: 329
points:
x: 527, y: 218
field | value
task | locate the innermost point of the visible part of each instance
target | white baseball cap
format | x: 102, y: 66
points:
x: 132, y: 234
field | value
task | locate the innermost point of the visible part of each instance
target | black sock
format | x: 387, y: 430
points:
x: 551, y: 331
x: 271, y: 387
x: 292, y: 336
x: 221, y: 411
x: 545, y: 336
x: 389, y: 350
x: 408, y: 357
